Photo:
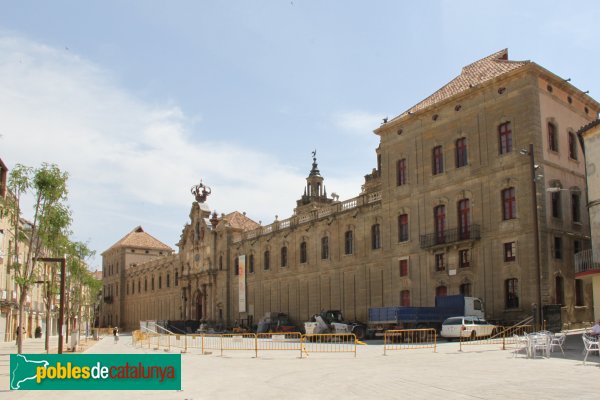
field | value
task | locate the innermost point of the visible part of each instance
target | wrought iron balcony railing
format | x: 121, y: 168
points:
x: 586, y: 262
x: 472, y: 232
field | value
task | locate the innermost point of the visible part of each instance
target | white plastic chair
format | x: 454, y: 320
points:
x: 540, y: 342
x: 521, y: 343
x: 558, y: 341
x: 590, y: 346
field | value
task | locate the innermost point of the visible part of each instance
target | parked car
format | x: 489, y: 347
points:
x: 467, y: 327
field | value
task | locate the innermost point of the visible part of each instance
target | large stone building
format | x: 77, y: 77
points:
x: 477, y: 190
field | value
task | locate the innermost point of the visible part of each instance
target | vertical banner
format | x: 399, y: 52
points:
x: 242, y: 284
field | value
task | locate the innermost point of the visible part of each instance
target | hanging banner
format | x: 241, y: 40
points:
x: 242, y: 284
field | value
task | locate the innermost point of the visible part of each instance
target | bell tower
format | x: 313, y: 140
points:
x: 315, y: 192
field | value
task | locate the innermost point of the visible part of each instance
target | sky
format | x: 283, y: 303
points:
x: 140, y: 100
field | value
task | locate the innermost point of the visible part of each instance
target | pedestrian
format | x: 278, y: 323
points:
x: 116, y: 334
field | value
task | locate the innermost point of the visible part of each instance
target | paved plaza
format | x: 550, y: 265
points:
x: 478, y: 372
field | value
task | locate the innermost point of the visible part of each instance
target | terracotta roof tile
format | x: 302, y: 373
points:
x: 473, y: 74
x: 140, y: 239
x: 238, y: 220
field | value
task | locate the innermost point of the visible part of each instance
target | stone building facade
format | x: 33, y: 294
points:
x: 448, y: 209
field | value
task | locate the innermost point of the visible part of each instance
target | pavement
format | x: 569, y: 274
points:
x: 476, y: 372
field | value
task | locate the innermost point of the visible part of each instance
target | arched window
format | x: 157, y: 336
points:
x: 466, y: 289
x: 441, y: 290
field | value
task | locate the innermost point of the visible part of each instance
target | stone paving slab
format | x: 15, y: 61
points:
x: 478, y: 372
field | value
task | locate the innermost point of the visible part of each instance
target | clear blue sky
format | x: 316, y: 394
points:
x: 138, y: 100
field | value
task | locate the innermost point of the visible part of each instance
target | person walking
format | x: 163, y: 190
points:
x: 116, y: 334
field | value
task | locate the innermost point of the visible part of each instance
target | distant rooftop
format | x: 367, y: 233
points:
x: 238, y: 220
x: 137, y: 238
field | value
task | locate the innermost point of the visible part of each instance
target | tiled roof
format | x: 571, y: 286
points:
x: 238, y: 220
x: 473, y: 74
x: 140, y: 239
x: 589, y: 126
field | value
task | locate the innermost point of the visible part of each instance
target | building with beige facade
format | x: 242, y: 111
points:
x: 587, y: 261
x: 479, y: 189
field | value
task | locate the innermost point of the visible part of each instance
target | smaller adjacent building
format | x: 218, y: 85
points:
x: 587, y: 261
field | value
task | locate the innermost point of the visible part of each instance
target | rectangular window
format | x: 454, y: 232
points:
x: 267, y: 260
x: 579, y: 293
x: 303, y: 253
x: 505, y: 138
x: 575, y: 207
x: 465, y: 289
x: 404, y: 267
x: 464, y: 219
x: 348, y: 243
x: 439, y: 216
x: 403, y: 228
x: 405, y: 298
x: 509, y: 204
x: 510, y: 251
x: 440, y: 265
x: 576, y: 246
x: 555, y: 198
x: 552, y: 137
x: 284, y: 256
x: 511, y: 290
x: 572, y: 146
x: 464, y: 259
x: 438, y: 160
x: 251, y: 263
x: 461, y: 152
x: 324, y: 248
x: 558, y: 251
x: 401, y: 172
x: 375, y: 237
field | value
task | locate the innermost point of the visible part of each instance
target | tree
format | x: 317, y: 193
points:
x: 49, y: 186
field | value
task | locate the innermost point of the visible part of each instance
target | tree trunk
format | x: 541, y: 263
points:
x: 20, y: 329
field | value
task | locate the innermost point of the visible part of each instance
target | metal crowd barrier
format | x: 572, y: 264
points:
x: 291, y: 341
x: 329, y: 343
x: 406, y: 339
x: 501, y: 336
x: 259, y: 342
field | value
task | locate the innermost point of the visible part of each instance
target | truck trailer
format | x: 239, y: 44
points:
x: 395, y: 318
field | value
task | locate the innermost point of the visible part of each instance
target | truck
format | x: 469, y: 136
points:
x: 382, y: 319
x: 332, y: 321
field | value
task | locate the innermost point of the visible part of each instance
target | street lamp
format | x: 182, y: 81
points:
x: 61, y: 311
x: 532, y: 167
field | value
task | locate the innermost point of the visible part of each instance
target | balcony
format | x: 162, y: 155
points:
x: 450, y: 236
x: 586, y: 263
